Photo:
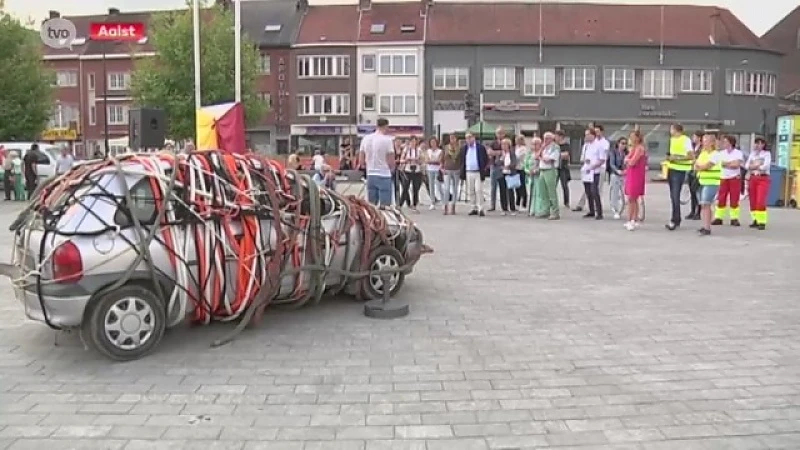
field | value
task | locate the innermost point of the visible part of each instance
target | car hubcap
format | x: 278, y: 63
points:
x: 384, y: 262
x: 129, y: 323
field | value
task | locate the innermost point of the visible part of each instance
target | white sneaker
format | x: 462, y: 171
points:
x: 432, y: 207
x: 616, y: 216
x: 630, y: 226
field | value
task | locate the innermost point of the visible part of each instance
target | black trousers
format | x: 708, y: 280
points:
x: 411, y: 184
x: 592, y: 190
x: 30, y: 185
x: 8, y: 185
x: 675, y: 179
x: 522, y: 190
x: 397, y: 185
x: 694, y: 190
x: 506, y: 195
x: 564, y: 178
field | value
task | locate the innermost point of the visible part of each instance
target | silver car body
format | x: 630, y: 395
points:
x: 108, y: 255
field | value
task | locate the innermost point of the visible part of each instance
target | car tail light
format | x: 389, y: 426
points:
x: 67, y: 263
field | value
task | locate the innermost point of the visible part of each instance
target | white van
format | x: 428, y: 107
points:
x: 48, y: 155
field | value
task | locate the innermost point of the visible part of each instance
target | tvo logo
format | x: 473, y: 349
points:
x: 58, y: 33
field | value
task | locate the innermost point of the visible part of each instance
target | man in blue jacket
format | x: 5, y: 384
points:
x: 474, y: 164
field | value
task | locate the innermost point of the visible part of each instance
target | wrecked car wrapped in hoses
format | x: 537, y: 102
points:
x: 126, y: 247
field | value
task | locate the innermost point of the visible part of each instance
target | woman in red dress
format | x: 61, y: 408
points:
x: 635, y: 174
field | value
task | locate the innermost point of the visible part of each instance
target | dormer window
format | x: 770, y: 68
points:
x: 377, y: 28
x: 272, y: 28
x: 408, y: 28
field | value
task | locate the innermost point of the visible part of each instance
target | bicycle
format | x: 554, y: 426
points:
x: 621, y: 204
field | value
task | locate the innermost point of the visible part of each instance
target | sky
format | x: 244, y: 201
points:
x: 755, y: 14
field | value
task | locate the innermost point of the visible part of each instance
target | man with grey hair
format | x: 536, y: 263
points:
x: 474, y: 160
x: 548, y: 176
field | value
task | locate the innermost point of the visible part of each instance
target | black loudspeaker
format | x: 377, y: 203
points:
x: 147, y: 128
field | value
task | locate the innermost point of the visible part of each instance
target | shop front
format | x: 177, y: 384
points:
x: 306, y: 139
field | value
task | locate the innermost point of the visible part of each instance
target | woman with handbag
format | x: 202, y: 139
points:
x: 510, y: 180
x: 433, y: 167
x: 411, y: 162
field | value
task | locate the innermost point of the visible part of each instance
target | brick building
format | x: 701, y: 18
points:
x: 785, y: 36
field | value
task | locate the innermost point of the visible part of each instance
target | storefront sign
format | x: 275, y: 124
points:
x: 323, y: 131
x: 393, y: 129
x: 448, y: 105
x: 511, y: 106
x: 280, y: 116
x: 60, y: 134
x: 651, y: 111
x: 786, y: 127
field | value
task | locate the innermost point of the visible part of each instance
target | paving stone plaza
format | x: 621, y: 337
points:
x: 522, y: 334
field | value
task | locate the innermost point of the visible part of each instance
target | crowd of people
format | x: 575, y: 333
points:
x: 527, y: 175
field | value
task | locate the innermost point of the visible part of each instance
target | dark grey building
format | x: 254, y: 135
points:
x: 625, y: 67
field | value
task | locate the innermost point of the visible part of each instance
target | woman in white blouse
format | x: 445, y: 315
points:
x: 433, y: 166
x: 411, y: 162
x: 521, y: 151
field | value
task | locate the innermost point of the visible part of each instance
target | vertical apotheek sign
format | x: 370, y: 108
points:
x: 785, y: 134
x: 282, y: 92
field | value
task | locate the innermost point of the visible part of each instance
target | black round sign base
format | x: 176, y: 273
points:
x: 380, y: 309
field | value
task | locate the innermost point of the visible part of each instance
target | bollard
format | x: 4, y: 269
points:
x: 386, y: 307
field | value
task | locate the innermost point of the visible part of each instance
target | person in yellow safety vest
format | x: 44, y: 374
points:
x: 679, y: 163
x: 708, y: 169
x: 730, y: 187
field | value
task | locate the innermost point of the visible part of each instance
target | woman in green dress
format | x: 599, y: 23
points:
x: 531, y: 167
x: 19, y: 182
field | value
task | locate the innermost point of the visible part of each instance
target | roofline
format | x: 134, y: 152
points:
x: 780, y: 22
x: 325, y: 44
x: 611, y: 44
x: 94, y: 57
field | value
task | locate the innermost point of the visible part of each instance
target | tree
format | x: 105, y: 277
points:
x: 26, y: 85
x: 166, y: 81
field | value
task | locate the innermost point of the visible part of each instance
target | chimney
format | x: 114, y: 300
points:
x: 113, y: 11
x: 364, y: 5
x: 302, y: 5
x: 54, y: 14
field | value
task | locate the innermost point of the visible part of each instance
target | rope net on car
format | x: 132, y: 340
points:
x: 234, y: 227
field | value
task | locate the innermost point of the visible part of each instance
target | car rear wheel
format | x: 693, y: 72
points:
x: 125, y: 324
x: 384, y: 258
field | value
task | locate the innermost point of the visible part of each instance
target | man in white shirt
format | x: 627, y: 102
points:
x: 377, y: 155
x: 605, y: 146
x: 730, y: 186
x: 65, y: 161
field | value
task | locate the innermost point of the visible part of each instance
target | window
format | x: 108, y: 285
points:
x: 399, y: 105
x: 740, y: 82
x: 368, y: 63
x: 92, y: 115
x: 377, y: 28
x: 265, y: 97
x: 90, y: 81
x: 696, y: 81
x: 264, y: 63
x: 397, y: 65
x: 617, y: 79
x: 273, y: 28
x: 117, y: 114
x: 323, y: 105
x: 579, y: 78
x: 119, y: 81
x: 500, y: 78
x: 658, y: 84
x: 456, y: 78
x: 539, y: 81
x: 368, y: 102
x: 323, y: 66
x: 66, y: 78
x: 408, y: 28
x: 63, y: 114
x: 143, y: 205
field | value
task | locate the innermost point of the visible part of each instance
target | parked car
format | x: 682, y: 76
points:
x: 48, y: 155
x: 71, y: 246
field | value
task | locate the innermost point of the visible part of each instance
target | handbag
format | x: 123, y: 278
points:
x: 513, y: 181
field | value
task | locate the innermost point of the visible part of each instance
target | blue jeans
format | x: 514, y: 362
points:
x: 379, y: 190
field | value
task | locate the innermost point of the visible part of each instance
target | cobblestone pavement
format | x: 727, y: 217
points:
x: 523, y: 334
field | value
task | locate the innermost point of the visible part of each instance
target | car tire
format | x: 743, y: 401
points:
x: 383, y: 257
x: 125, y: 324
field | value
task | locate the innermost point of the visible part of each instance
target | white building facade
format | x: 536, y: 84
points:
x: 391, y: 84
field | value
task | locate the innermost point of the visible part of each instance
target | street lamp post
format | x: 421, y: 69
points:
x: 111, y: 12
